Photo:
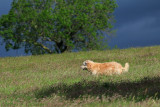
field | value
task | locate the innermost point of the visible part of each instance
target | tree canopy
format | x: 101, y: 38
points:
x: 56, y: 26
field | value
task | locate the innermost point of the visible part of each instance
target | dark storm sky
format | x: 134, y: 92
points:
x: 137, y: 24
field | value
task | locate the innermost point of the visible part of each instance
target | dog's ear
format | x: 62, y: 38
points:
x: 88, y: 63
x: 85, y: 62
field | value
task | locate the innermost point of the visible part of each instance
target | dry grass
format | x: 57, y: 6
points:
x: 57, y: 80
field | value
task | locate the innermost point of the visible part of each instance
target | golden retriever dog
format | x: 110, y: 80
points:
x: 107, y: 68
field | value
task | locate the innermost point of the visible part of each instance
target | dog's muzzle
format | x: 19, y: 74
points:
x: 84, y: 67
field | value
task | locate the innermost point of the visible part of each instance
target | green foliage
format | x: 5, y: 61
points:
x: 55, y: 26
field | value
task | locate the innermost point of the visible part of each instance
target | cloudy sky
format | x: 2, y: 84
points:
x: 137, y: 24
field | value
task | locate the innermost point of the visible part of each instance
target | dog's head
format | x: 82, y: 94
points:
x: 85, y: 64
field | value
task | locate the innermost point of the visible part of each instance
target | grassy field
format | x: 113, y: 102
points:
x: 57, y: 80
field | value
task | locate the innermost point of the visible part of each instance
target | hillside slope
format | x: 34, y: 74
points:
x: 57, y: 80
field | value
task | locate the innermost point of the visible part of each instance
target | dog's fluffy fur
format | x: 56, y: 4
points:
x: 108, y: 68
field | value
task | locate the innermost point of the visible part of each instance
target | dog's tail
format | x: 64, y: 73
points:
x: 126, y: 68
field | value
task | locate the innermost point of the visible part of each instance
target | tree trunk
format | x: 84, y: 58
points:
x: 60, y: 47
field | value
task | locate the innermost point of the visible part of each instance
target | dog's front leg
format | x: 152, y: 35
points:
x: 94, y: 73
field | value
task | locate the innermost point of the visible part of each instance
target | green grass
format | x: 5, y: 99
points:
x: 57, y: 80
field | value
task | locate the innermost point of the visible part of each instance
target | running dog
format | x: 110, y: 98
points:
x: 107, y: 68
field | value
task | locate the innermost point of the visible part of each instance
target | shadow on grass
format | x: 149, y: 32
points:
x: 140, y: 90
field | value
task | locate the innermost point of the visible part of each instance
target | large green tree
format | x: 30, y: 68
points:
x: 56, y: 26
